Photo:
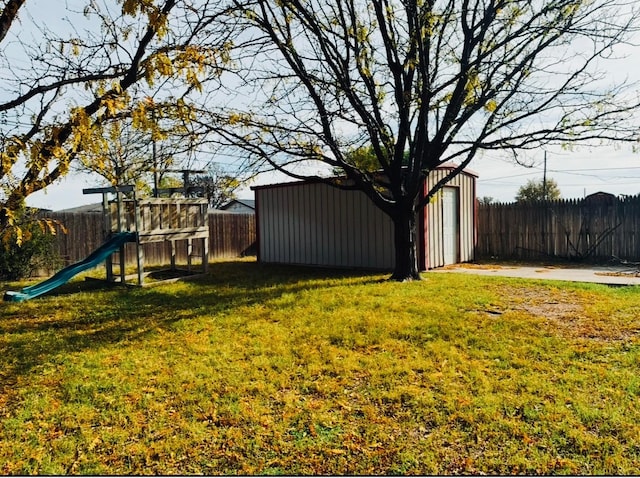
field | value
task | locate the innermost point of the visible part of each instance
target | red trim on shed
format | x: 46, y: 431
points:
x: 257, y: 199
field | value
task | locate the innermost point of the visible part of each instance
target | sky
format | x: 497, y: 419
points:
x: 578, y: 172
x: 584, y: 171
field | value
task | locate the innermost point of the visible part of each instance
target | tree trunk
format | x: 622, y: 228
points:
x: 405, y: 236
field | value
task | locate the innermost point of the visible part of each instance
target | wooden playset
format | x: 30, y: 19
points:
x: 153, y: 220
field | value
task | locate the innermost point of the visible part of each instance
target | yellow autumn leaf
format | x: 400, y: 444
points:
x: 491, y: 106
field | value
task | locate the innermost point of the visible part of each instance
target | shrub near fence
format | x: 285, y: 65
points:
x: 596, y: 229
x: 230, y: 235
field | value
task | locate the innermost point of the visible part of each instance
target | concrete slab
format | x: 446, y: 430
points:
x: 611, y: 275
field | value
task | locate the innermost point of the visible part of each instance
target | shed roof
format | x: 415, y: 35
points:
x: 447, y: 165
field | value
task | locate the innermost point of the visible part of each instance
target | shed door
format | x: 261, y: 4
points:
x: 450, y: 225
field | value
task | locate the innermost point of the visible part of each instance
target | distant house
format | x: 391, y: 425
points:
x: 600, y: 198
x: 96, y: 207
x: 244, y: 206
x: 312, y: 223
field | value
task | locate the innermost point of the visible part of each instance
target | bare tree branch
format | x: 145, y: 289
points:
x: 422, y: 83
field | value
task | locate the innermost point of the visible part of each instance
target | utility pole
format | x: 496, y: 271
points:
x: 154, y: 152
x: 544, y: 178
x: 546, y: 209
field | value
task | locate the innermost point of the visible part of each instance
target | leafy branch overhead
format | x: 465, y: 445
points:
x: 63, y: 103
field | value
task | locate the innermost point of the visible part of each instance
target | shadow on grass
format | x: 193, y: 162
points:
x: 85, y: 314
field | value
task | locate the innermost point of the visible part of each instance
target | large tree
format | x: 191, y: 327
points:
x: 129, y: 157
x: 138, y: 156
x: 420, y: 83
x: 65, y: 83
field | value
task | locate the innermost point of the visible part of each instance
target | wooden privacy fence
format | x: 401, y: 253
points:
x: 230, y: 235
x: 598, y: 229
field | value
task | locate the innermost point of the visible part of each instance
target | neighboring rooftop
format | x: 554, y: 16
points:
x: 240, y: 205
x: 97, y: 207
x: 237, y: 205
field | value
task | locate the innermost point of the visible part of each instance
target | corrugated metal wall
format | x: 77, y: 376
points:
x: 316, y: 224
x: 465, y: 184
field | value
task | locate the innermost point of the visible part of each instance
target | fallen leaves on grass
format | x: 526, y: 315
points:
x: 257, y: 370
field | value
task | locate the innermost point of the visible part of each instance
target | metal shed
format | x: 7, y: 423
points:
x: 312, y: 223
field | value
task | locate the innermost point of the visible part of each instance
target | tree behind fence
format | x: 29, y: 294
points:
x: 598, y: 229
x: 230, y: 235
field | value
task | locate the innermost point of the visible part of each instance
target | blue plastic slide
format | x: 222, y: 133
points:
x: 92, y: 260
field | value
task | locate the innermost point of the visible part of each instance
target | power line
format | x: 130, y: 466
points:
x: 507, y: 177
x: 594, y: 169
x: 565, y: 171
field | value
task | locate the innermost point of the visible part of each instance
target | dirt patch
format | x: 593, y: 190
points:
x: 563, y: 312
x: 619, y: 274
x: 547, y: 269
x: 558, y: 305
x: 168, y: 274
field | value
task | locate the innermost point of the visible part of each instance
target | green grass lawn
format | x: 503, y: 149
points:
x: 272, y: 370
